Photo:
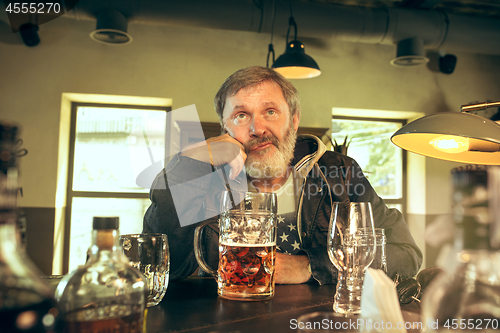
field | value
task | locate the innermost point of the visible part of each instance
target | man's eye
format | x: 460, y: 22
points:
x: 271, y: 112
x: 240, y: 116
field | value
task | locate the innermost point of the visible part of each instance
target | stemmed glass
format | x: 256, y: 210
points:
x: 351, y: 248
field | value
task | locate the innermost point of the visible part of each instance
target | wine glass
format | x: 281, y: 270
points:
x: 351, y: 248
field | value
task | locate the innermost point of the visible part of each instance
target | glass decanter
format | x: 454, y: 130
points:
x: 106, y: 294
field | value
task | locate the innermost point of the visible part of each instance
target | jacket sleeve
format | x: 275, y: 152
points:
x: 403, y: 255
x: 315, y: 217
x: 177, y: 197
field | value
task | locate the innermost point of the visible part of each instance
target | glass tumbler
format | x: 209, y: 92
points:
x: 380, y: 260
x: 149, y: 253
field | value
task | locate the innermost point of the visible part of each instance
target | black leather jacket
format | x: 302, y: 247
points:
x: 189, y: 189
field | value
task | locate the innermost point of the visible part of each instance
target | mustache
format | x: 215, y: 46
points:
x: 258, y: 141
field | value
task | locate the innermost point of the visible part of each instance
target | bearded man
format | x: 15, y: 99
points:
x: 259, y: 111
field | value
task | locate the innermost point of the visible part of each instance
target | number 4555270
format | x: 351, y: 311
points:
x: 471, y: 324
x: 33, y: 8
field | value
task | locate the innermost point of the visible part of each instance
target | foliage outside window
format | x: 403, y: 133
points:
x: 368, y: 142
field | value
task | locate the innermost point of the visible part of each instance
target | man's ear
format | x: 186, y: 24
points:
x: 223, y: 127
x: 296, y: 120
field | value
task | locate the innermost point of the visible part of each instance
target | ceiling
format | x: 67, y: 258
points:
x: 452, y: 25
x: 476, y: 8
x: 480, y: 8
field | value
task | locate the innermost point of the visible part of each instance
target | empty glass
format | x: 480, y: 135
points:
x: 351, y: 248
x: 380, y: 260
x: 149, y: 254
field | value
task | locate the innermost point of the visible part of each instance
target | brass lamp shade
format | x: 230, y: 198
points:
x: 452, y: 136
x: 295, y: 63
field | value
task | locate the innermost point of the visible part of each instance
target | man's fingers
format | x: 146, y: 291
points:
x: 291, y: 269
x: 226, y: 138
x: 237, y: 165
x: 225, y: 152
x: 218, y: 151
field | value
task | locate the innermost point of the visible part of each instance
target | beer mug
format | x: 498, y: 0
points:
x: 247, y: 246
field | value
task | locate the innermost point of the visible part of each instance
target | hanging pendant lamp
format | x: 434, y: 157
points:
x: 295, y: 63
x: 453, y: 136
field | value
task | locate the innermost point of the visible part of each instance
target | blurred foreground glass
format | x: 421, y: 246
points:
x: 351, y: 248
x: 149, y: 253
x: 468, y: 291
x: 26, y: 302
x: 247, y: 246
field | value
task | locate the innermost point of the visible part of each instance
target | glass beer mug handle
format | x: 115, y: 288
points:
x: 197, y: 249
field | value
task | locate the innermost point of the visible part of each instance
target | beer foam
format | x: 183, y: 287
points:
x: 247, y: 245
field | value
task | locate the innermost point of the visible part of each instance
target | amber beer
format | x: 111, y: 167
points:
x: 246, y: 271
x: 247, y: 246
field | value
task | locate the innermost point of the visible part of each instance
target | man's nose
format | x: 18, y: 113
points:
x: 257, y: 127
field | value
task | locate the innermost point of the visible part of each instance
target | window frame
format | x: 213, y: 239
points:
x: 70, y: 193
x: 403, y: 200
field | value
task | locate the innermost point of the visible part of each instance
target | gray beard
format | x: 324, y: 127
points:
x: 276, y: 165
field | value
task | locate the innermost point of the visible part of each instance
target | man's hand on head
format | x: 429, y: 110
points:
x: 219, y: 150
x: 291, y: 269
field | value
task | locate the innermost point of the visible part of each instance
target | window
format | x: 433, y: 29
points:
x: 382, y: 162
x: 110, y: 146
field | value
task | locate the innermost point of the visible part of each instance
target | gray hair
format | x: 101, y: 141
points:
x: 252, y: 76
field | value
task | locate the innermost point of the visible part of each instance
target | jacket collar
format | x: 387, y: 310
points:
x: 308, y: 151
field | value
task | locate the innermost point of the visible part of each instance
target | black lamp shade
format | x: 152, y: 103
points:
x: 295, y: 63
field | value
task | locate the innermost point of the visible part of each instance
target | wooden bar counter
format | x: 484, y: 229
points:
x: 192, y: 305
